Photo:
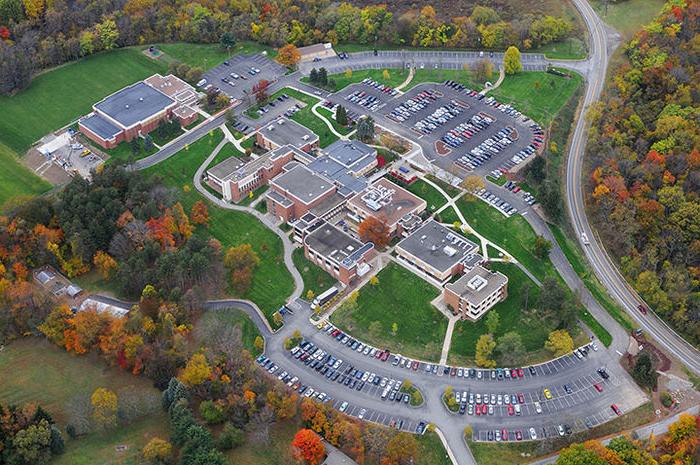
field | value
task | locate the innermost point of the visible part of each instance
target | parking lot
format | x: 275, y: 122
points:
x: 364, y: 98
x: 235, y: 77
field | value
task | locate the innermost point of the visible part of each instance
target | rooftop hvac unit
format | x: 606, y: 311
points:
x: 305, y: 137
x: 477, y: 283
x: 449, y: 251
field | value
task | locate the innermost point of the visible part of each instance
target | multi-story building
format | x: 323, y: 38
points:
x: 296, y: 191
x: 284, y: 131
x: 342, y: 256
x: 476, y: 292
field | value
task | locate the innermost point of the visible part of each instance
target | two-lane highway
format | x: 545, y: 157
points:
x: 602, y: 264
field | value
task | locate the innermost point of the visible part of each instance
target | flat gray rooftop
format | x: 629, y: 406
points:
x: 288, y: 132
x: 438, y: 246
x: 350, y: 152
x: 477, y: 284
x: 333, y: 170
x: 100, y: 126
x: 134, y: 103
x: 303, y: 184
x: 226, y: 168
x: 331, y: 242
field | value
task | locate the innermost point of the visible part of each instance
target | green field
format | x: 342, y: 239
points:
x: 537, y: 94
x: 629, y: 16
x: 229, y: 317
x: 403, y: 298
x: 513, y: 234
x: 572, y: 48
x: 16, y: 180
x: 272, y: 283
x: 533, y: 333
x: 432, y: 196
x: 315, y: 278
x: 209, y: 55
x: 396, y: 77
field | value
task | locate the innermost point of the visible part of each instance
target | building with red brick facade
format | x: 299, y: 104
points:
x: 283, y: 131
x: 138, y: 109
x: 475, y: 293
x: 296, y: 191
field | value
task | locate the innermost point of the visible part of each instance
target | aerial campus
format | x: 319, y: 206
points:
x: 275, y: 232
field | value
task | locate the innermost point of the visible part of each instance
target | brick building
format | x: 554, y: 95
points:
x: 283, y: 131
x: 476, y: 292
x: 296, y: 191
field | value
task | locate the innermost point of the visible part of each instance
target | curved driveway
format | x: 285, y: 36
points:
x: 602, y: 264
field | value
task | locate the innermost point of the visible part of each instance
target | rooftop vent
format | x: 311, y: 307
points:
x: 140, y: 99
x: 126, y: 106
x: 477, y: 283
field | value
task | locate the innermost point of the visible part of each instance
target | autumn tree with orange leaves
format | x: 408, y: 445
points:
x: 200, y: 213
x: 308, y: 447
x: 374, y: 230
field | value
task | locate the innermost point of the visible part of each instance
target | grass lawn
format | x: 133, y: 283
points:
x: 537, y: 94
x: 510, y: 310
x: 439, y: 75
x: 345, y: 130
x: 572, y: 48
x: 100, y: 447
x: 629, y: 16
x: 206, y: 55
x: 422, y: 189
x: 34, y: 370
x: 16, y: 180
x: 450, y: 190
x: 448, y: 215
x: 514, y: 234
x: 228, y: 151
x: 228, y: 317
x: 276, y: 452
x: 123, y: 154
x: 396, y: 77
x: 272, y: 283
x: 431, y: 451
x: 403, y: 298
x: 578, y: 262
x: 497, y: 181
x: 68, y: 92
x: 315, y: 278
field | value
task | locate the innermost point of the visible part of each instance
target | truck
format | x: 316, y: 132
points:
x: 324, y: 298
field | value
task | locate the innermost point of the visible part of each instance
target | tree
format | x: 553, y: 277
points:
x: 32, y: 444
x: 307, y: 447
x: 341, y: 115
x: 483, y: 70
x: 365, y: 129
x: 386, y: 75
x: 241, y: 257
x: 484, y: 349
x: 492, y: 320
x: 401, y: 449
x: 196, y: 371
x: 510, y: 347
x: 323, y: 76
x: 105, y: 264
x: 542, y: 247
x: 374, y: 230
x: 288, y: 55
x: 158, y: 451
x: 473, y: 184
x: 200, y: 213
x: 394, y: 328
x: 577, y: 454
x: 228, y: 40
x: 310, y: 295
x: 643, y: 372
x: 260, y: 90
x: 511, y: 61
x: 313, y: 76
x: 104, y: 403
x: 34, y: 8
x: 259, y: 343
x: 559, y: 342
x: 230, y: 437
x: 107, y: 34
x: 374, y: 281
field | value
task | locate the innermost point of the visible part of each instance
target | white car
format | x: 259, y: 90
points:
x: 362, y: 414
x: 560, y: 429
x: 538, y: 408
x: 516, y: 407
x: 533, y: 433
x: 343, y: 406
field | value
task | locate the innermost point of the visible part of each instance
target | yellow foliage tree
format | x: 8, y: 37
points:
x: 104, y: 263
x: 559, y: 342
x: 196, y: 371
x: 157, y: 451
x: 288, y: 55
x: 104, y: 407
x: 484, y: 349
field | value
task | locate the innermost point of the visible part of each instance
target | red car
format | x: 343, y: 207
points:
x: 414, y: 365
x: 379, y: 354
x: 616, y: 409
x: 643, y: 309
x: 484, y: 409
x: 514, y: 373
x: 385, y: 356
x: 519, y: 435
x: 598, y: 387
x: 477, y: 409
x: 521, y: 373
x: 511, y: 410
x: 453, y: 371
x: 521, y: 398
x: 504, y: 435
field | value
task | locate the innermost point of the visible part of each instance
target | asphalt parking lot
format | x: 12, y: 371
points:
x: 236, y: 79
x: 364, y: 98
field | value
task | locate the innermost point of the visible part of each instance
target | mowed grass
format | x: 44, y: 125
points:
x: 513, y: 234
x: 230, y: 317
x: 629, y: 16
x: 533, y: 333
x: 209, y: 55
x: 272, y: 284
x: 34, y: 370
x: 537, y: 94
x: 403, y: 298
x: 277, y: 451
x: 425, y: 191
x: 60, y: 96
x: 16, y: 180
x: 315, y: 278
x: 342, y: 80
x: 572, y: 48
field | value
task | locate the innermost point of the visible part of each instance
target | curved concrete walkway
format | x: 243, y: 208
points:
x: 264, y: 219
x: 409, y: 78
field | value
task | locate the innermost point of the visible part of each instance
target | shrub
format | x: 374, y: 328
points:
x: 211, y: 412
x: 230, y: 437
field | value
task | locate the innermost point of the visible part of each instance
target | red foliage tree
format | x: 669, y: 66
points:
x: 374, y: 230
x: 307, y: 446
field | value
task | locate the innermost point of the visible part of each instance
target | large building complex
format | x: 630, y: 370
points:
x: 472, y: 295
x: 283, y: 132
x: 138, y: 109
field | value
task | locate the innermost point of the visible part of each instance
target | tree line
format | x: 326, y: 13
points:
x: 35, y: 34
x: 644, y: 166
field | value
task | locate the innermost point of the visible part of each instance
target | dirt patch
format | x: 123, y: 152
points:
x: 661, y: 361
x: 442, y: 149
x: 48, y: 170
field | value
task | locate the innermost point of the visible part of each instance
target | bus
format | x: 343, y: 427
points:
x: 324, y: 298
